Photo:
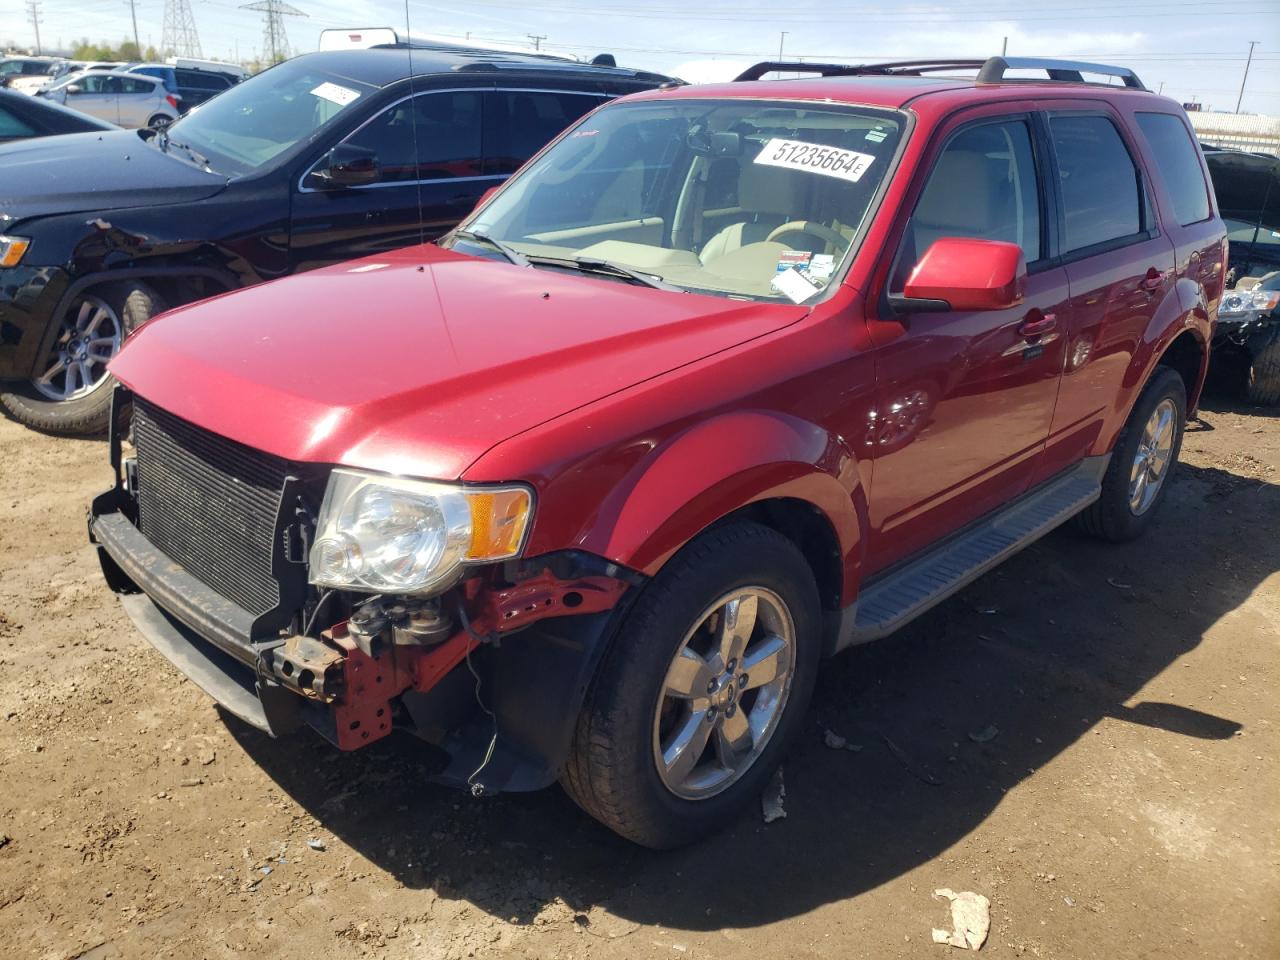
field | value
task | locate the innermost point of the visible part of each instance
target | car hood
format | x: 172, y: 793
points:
x: 81, y: 172
x: 417, y: 362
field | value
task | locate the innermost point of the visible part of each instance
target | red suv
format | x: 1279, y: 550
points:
x: 726, y: 379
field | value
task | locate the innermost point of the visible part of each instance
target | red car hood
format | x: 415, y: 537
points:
x: 419, y: 361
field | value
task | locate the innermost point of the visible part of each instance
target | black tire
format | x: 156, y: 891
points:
x: 159, y: 121
x: 611, y: 772
x: 1262, y: 383
x: 1110, y: 517
x: 134, y: 304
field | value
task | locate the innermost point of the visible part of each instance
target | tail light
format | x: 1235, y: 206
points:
x: 172, y: 100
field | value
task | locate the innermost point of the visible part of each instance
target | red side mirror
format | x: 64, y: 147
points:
x: 484, y: 197
x: 969, y: 274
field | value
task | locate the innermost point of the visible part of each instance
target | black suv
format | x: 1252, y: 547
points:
x: 323, y: 158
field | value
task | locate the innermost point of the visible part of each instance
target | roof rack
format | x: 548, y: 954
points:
x: 991, y: 70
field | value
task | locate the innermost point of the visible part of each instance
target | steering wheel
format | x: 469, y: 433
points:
x: 813, y: 229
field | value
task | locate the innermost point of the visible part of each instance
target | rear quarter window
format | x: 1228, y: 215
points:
x: 1178, y: 164
x: 1101, y: 199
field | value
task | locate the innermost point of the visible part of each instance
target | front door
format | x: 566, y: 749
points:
x: 431, y: 174
x: 964, y: 399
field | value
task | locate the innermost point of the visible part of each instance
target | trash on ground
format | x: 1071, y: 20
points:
x: 315, y: 844
x: 836, y: 742
x: 985, y: 735
x: 970, y: 920
x: 771, y: 800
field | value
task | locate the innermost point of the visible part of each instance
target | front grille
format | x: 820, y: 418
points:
x: 209, y: 504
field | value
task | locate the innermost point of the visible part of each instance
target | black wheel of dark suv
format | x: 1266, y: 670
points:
x: 71, y: 395
x: 702, y: 690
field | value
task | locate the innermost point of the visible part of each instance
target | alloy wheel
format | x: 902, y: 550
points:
x: 724, y: 693
x: 90, y: 336
x: 1151, y: 462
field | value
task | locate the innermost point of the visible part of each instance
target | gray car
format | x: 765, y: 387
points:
x: 126, y: 99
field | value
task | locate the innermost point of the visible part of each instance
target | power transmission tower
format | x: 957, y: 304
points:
x: 33, y: 9
x: 275, y: 43
x: 179, y: 36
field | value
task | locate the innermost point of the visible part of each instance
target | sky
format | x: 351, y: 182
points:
x: 1196, y: 49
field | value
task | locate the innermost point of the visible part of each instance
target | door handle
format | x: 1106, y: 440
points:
x: 1153, y: 281
x: 1037, y: 324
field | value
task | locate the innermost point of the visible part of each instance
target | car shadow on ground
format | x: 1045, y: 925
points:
x: 1042, y: 650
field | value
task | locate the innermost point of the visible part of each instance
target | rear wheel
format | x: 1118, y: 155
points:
x: 72, y: 392
x: 1137, y: 477
x: 159, y: 121
x: 702, y: 691
x: 1263, y: 383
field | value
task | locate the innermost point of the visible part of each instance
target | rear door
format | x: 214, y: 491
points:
x: 1119, y: 265
x: 139, y: 99
x: 964, y: 399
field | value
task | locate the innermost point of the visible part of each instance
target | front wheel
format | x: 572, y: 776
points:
x: 71, y: 394
x: 702, y: 691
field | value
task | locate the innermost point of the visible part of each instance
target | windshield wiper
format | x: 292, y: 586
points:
x: 596, y: 265
x: 504, y: 248
x: 165, y: 141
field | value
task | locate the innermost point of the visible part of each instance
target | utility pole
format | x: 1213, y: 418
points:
x: 1240, y: 99
x: 1004, y: 47
x: 537, y: 39
x: 1161, y: 90
x: 133, y: 12
x: 33, y: 9
x: 782, y: 39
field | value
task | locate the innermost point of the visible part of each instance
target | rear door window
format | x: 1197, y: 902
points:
x: 139, y: 86
x: 1101, y: 198
x: 521, y: 122
x: 1176, y: 159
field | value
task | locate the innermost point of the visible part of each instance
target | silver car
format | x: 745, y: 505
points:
x: 127, y: 99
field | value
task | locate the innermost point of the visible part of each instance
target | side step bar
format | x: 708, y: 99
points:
x: 899, y: 596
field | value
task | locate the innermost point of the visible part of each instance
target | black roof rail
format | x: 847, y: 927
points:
x: 991, y: 70
x: 1068, y: 71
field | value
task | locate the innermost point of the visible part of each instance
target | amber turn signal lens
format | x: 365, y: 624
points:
x: 12, y: 250
x: 499, y: 519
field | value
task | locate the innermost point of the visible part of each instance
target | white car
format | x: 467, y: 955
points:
x: 126, y: 99
x: 27, y: 74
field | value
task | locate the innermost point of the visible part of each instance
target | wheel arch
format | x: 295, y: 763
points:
x: 783, y: 472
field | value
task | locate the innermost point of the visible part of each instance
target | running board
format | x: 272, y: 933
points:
x: 891, y: 601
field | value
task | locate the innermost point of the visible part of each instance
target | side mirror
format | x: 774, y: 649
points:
x: 349, y: 166
x: 74, y: 89
x: 961, y: 273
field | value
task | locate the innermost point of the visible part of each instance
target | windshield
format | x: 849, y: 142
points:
x: 244, y: 128
x: 752, y: 199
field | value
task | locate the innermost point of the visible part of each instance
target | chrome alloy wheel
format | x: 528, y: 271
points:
x: 724, y: 693
x: 1151, y: 463
x: 90, y: 337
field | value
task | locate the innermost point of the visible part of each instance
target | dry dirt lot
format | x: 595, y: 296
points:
x: 1127, y: 806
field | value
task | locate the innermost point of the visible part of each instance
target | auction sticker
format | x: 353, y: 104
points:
x: 336, y: 94
x: 815, y: 158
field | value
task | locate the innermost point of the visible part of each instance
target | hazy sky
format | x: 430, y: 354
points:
x: 1196, y: 48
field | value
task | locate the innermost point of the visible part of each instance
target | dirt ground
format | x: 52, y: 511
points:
x: 1125, y: 807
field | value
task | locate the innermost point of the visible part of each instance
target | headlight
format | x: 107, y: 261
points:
x: 12, y: 250
x: 391, y: 535
x: 1262, y: 300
